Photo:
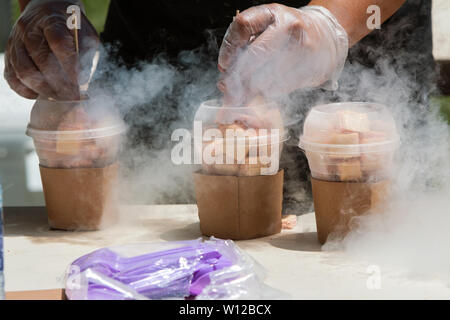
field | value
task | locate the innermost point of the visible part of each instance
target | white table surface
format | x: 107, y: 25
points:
x: 36, y: 257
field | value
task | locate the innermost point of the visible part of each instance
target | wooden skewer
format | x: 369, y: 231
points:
x: 76, y: 33
x: 237, y: 12
x: 77, y: 48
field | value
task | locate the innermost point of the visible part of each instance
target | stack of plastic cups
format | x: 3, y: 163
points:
x: 240, y: 187
x: 77, y: 144
x: 350, y: 148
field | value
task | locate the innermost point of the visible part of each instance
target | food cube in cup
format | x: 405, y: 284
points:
x: 247, y: 133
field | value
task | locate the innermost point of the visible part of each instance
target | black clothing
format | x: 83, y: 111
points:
x: 147, y: 28
x: 144, y: 29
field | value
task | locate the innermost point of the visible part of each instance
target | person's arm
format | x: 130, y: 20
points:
x: 352, y: 15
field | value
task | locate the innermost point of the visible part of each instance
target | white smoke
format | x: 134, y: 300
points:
x: 414, y: 231
x: 155, y: 98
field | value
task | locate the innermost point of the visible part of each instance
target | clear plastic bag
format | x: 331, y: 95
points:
x: 212, y: 269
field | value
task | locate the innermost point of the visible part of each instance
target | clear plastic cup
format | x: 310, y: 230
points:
x: 74, y: 134
x: 349, y: 141
x: 349, y: 146
x: 239, y: 141
x: 239, y: 190
x: 77, y: 143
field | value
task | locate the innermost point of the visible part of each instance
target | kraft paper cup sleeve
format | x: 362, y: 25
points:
x: 217, y: 201
x: 80, y: 198
x: 336, y: 203
x: 239, y: 208
x: 260, y: 205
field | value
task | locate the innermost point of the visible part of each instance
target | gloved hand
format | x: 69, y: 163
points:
x: 41, y: 58
x: 273, y: 50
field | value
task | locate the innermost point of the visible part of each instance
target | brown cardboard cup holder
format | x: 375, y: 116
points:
x: 238, y: 207
x: 80, y: 198
x: 336, y: 203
